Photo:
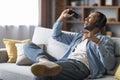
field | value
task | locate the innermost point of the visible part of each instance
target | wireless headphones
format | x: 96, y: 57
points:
x: 102, y: 21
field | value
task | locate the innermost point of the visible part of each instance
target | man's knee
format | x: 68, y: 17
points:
x: 30, y: 45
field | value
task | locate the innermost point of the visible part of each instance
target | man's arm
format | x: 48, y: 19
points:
x: 105, y: 48
x: 107, y: 53
x: 57, y: 29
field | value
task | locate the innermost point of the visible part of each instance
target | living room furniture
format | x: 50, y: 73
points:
x: 12, y: 71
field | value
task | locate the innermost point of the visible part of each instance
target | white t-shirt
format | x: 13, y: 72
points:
x: 80, y: 53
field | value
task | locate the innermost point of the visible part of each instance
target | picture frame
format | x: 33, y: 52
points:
x: 108, y: 2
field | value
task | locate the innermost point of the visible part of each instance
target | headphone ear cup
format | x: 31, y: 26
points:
x: 100, y: 23
x: 97, y: 24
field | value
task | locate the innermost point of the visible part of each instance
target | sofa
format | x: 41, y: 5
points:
x: 12, y: 71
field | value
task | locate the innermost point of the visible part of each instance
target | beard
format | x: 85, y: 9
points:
x: 90, y: 28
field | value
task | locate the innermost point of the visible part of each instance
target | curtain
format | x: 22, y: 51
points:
x: 20, y: 32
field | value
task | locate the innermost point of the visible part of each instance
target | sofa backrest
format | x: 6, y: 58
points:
x: 43, y: 36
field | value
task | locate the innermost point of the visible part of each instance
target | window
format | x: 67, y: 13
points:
x: 19, y: 12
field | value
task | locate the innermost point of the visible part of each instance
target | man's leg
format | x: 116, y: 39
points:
x: 71, y: 70
x: 34, y: 52
x: 44, y: 65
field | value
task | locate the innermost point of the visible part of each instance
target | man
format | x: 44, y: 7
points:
x: 90, y: 54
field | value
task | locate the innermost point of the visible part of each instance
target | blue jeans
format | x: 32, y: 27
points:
x: 34, y: 52
x: 71, y: 69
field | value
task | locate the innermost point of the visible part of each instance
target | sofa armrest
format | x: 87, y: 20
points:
x: 3, y: 55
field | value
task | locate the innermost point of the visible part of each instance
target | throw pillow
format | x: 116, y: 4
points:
x: 117, y: 73
x: 22, y: 59
x: 11, y: 48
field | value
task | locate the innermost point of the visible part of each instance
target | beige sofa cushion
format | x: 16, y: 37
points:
x: 22, y: 59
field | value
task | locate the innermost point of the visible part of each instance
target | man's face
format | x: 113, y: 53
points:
x: 91, y: 21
